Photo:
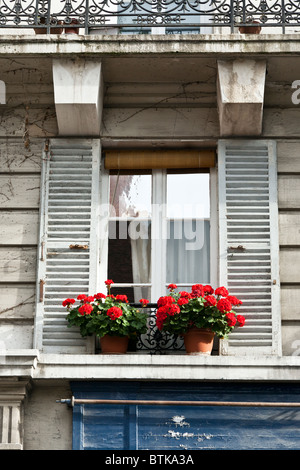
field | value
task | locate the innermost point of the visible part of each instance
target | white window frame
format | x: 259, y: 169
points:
x: 159, y: 252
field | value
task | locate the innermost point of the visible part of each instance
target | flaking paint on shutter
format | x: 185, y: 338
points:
x: 68, y: 250
x: 248, y: 242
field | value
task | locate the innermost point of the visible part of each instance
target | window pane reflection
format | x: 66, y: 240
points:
x: 188, y: 195
x: 188, y: 241
x: 130, y: 195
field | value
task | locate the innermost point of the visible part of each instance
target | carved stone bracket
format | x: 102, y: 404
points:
x: 241, y: 86
x: 12, y: 395
x: 78, y: 93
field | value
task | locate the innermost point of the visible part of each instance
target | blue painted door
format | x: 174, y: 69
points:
x: 157, y: 427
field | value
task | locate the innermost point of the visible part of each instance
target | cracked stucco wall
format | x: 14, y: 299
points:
x: 26, y: 119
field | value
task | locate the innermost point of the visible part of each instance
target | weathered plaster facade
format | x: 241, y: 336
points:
x: 158, y: 92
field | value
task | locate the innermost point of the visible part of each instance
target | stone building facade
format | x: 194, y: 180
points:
x: 69, y: 94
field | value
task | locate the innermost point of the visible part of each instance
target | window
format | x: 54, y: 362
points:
x: 150, y: 18
x: 239, y: 235
x: 159, y: 231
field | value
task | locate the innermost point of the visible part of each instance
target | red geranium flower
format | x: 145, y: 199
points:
x: 159, y: 324
x: 210, y: 301
x: 144, y: 302
x: 241, y: 320
x: 172, y: 286
x: 172, y: 309
x: 85, y: 309
x: 100, y: 296
x: 234, y: 300
x: 231, y: 320
x: 208, y: 290
x: 81, y: 297
x: 167, y: 299
x: 68, y: 302
x: 122, y: 298
x: 182, y: 301
x: 161, y: 315
x: 197, y: 287
x: 114, y: 312
x: 224, y: 305
x: 197, y: 290
x: 221, y: 291
x: 109, y: 282
x: 162, y: 312
x: 185, y: 294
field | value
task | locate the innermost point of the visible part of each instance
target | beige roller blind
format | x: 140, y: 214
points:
x: 149, y: 159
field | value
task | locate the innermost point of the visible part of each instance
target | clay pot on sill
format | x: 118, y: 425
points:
x: 71, y: 29
x: 250, y: 29
x: 199, y: 341
x: 114, y: 344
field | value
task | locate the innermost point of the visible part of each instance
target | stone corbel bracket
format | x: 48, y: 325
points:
x: 16, y: 370
x: 240, y: 96
x: 78, y: 95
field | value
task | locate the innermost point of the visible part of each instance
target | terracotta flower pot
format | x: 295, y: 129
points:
x: 72, y: 30
x: 53, y: 29
x: 250, y: 29
x: 114, y: 344
x: 199, y: 341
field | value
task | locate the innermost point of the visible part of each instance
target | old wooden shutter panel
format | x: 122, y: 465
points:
x: 68, y: 249
x: 248, y: 242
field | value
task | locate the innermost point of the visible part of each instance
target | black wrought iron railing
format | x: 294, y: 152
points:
x: 155, y: 341
x: 143, y: 16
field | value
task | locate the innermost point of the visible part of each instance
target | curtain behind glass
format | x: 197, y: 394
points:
x: 188, y: 251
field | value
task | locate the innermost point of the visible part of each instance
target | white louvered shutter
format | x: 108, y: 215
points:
x: 68, y: 251
x: 248, y: 242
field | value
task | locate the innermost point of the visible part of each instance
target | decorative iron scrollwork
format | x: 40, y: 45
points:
x: 157, y: 342
x: 144, y: 13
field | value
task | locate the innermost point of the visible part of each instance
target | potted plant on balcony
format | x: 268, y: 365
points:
x: 251, y: 27
x: 70, y: 24
x: 110, y: 317
x: 55, y: 26
x: 198, y: 316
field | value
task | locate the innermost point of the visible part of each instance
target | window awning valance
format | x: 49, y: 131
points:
x: 152, y: 159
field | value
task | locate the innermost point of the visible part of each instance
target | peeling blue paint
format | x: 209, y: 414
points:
x: 145, y: 427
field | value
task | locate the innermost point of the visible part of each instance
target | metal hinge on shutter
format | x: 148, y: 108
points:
x: 248, y: 240
x: 68, y: 235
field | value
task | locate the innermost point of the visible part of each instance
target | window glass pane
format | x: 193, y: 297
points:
x: 130, y: 195
x: 188, y: 195
x: 129, y: 244
x: 188, y: 241
x: 129, y: 251
x: 188, y: 232
x: 188, y: 251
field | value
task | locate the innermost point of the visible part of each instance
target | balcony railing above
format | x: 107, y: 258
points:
x: 145, y: 16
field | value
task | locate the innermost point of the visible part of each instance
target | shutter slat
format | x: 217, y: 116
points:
x: 71, y: 173
x: 249, y: 242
